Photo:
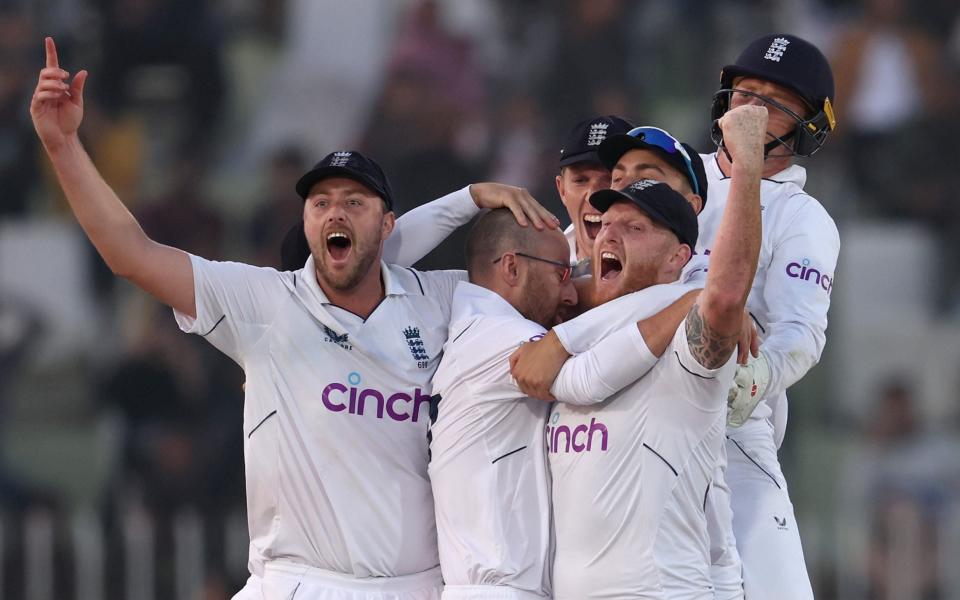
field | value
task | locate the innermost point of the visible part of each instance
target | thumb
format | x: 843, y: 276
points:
x: 76, y: 87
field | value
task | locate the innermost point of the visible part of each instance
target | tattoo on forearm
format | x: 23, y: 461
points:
x: 710, y: 348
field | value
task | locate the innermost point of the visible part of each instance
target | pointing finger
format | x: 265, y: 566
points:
x: 52, y: 60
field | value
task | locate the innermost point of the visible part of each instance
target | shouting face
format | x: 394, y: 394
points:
x: 345, y: 223
x: 575, y: 184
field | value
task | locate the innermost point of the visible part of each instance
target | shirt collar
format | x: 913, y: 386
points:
x: 470, y: 299
x: 794, y: 174
x: 391, y: 286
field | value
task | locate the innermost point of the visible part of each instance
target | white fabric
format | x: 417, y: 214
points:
x: 488, y: 467
x: 616, y: 361
x: 791, y: 291
x: 763, y: 520
x: 789, y: 302
x: 486, y: 592
x: 283, y: 580
x: 580, y: 334
x: 335, y: 413
x: 571, y: 234
x: 422, y: 229
x: 616, y: 465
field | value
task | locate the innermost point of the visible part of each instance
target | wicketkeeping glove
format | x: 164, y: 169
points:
x: 748, y: 387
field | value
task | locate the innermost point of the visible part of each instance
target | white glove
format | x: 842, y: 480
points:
x: 748, y: 387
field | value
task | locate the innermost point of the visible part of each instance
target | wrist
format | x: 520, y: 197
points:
x: 66, y: 146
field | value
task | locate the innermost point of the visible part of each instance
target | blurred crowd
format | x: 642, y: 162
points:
x: 201, y: 114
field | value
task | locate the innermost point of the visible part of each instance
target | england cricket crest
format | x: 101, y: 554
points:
x: 597, y: 133
x: 415, y: 343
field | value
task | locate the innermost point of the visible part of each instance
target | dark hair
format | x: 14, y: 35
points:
x: 493, y: 234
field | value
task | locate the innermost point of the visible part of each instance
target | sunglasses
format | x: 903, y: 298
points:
x: 658, y: 138
x: 567, y: 268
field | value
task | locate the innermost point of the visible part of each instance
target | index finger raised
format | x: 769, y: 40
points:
x: 52, y: 60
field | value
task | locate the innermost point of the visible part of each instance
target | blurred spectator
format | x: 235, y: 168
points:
x: 182, y: 35
x: 907, y: 480
x: 589, y: 76
x: 181, y: 408
x: 280, y: 208
x: 182, y: 217
x: 18, y: 142
x: 891, y: 88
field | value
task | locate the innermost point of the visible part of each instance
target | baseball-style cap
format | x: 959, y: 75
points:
x: 682, y: 157
x: 584, y: 139
x: 661, y: 203
x: 350, y: 164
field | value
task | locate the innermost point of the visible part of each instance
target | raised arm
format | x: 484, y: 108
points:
x: 57, y: 111
x: 624, y: 351
x: 422, y: 229
x: 714, y: 323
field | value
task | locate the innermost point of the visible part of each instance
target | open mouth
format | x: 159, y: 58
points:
x: 338, y: 245
x: 591, y: 224
x: 610, y: 266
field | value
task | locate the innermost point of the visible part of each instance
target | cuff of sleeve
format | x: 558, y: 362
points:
x: 462, y: 202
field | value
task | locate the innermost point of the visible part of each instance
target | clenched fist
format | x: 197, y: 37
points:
x: 744, y: 132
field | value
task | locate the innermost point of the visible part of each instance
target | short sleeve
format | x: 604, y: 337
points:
x: 707, y: 387
x: 235, y: 302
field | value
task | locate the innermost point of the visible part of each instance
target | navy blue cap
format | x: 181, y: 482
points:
x: 353, y: 165
x: 661, y: 202
x: 679, y: 155
x: 584, y: 139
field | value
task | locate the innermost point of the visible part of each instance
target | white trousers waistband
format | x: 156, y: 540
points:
x: 313, y: 576
x: 488, y: 592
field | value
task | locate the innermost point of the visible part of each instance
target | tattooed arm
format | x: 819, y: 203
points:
x: 714, y: 322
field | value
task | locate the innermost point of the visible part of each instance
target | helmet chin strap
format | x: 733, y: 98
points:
x: 777, y: 142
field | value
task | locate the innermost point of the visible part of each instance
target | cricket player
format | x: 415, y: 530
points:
x: 338, y: 357
x: 488, y: 469
x: 581, y: 174
x: 622, y: 467
x: 788, y: 300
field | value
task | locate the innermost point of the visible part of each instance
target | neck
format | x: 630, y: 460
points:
x: 360, y: 299
x: 771, y: 165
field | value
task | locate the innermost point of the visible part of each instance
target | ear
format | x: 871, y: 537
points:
x: 681, y: 257
x: 696, y: 201
x: 508, y: 269
x: 389, y: 220
x: 559, y: 181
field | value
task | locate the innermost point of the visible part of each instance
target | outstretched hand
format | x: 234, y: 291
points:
x: 524, y: 207
x: 57, y: 106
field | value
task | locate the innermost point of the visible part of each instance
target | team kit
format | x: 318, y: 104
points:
x: 588, y: 413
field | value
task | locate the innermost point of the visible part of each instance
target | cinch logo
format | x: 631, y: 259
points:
x: 399, y: 406
x: 802, y: 270
x: 561, y: 438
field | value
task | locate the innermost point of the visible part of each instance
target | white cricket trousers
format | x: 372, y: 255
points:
x: 290, y: 581
x: 488, y: 592
x: 764, y: 523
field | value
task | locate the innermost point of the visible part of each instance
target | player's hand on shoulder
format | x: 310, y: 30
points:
x: 57, y: 106
x: 744, y: 134
x: 518, y: 200
x: 535, y: 365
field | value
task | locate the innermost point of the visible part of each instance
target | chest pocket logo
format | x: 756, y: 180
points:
x: 415, y: 344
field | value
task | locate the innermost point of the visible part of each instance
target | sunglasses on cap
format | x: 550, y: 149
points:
x: 658, y: 138
x: 567, y: 268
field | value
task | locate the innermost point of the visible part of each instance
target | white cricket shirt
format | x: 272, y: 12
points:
x: 791, y: 291
x: 335, y: 413
x: 623, y: 469
x: 488, y: 467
